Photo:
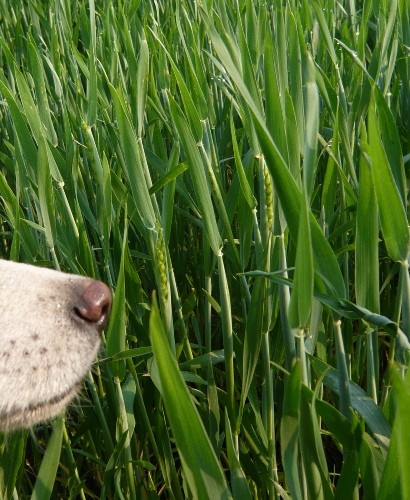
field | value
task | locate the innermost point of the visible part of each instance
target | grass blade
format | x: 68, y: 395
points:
x: 117, y: 328
x: 199, y: 180
x: 46, y: 476
x: 142, y: 84
x: 41, y: 93
x: 92, y: 63
x: 393, y: 219
x: 133, y: 162
x: 361, y: 402
x: 367, y: 235
x: 394, y: 481
x: 240, y: 488
x: 289, y: 430
x: 45, y: 194
x: 202, y: 470
x: 302, y: 292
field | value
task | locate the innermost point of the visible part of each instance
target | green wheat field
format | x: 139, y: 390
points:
x: 236, y: 171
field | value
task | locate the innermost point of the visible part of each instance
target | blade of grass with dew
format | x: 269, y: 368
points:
x: 202, y: 470
x: 324, y: 27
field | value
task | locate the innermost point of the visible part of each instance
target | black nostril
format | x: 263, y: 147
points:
x: 94, y: 303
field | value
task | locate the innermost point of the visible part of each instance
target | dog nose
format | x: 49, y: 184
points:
x: 94, y: 303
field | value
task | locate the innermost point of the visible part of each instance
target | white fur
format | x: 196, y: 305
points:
x: 46, y: 348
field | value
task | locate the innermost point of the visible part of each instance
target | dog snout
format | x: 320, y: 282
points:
x: 94, y: 303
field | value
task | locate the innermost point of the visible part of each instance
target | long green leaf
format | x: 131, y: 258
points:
x: 289, y: 431
x: 311, y: 129
x: 393, y: 220
x: 302, y: 292
x: 367, y: 236
x: 133, y: 161
x: 142, y: 85
x: 27, y: 143
x: 202, y: 470
x: 11, y: 457
x: 45, y: 194
x: 41, y: 93
x: 240, y: 488
x: 311, y: 447
x: 117, y: 328
x: 92, y: 63
x: 394, y: 480
x: 199, y: 180
x: 46, y: 476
